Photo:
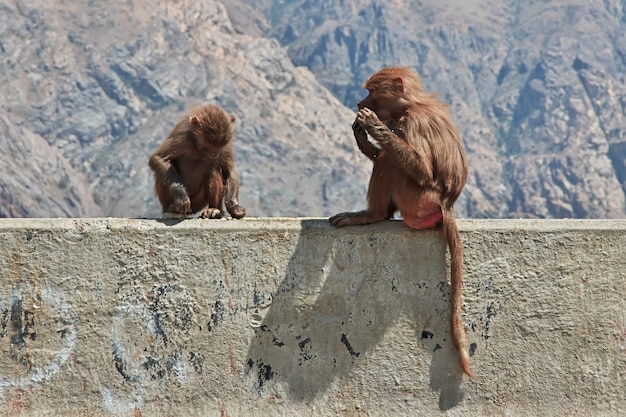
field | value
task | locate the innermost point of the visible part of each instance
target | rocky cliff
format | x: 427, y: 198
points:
x: 536, y: 87
x: 91, y: 88
x: 96, y: 87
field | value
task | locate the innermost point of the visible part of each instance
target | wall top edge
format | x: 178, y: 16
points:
x: 300, y: 223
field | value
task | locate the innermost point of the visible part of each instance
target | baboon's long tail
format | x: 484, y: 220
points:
x: 453, y: 238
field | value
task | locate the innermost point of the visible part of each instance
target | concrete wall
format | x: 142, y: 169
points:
x: 271, y: 317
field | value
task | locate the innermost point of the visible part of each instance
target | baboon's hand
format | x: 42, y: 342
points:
x: 182, y: 203
x: 359, y: 131
x: 368, y: 120
x: 237, y: 211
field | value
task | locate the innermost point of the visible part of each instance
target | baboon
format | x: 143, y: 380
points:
x: 194, y: 168
x: 419, y: 169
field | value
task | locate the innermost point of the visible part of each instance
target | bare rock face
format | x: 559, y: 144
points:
x: 104, y: 85
x: 37, y: 181
x: 536, y: 88
x: 89, y: 91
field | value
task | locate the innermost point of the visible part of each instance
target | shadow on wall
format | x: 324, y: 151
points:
x: 337, y: 301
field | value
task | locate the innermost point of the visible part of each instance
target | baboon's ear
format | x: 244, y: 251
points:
x: 400, y: 83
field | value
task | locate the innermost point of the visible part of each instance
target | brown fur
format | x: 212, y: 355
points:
x: 194, y: 168
x: 419, y: 169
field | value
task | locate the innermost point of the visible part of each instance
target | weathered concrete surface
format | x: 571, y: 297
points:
x: 267, y: 317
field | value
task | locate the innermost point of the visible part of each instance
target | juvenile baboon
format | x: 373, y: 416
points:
x: 194, y: 168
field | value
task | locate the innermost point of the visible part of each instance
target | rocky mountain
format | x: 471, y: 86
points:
x: 35, y: 176
x: 89, y: 90
x: 537, y: 87
x: 95, y: 87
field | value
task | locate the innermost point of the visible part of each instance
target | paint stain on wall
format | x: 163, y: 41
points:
x: 344, y: 340
x: 50, y: 320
